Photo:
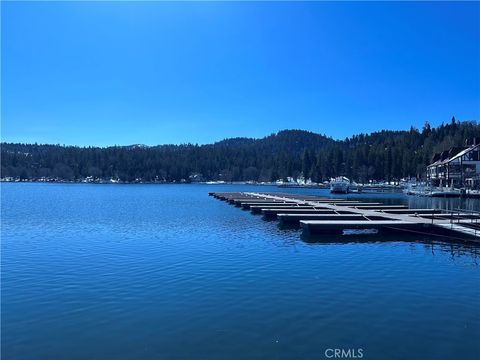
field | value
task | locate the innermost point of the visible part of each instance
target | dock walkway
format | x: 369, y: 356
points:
x: 336, y: 216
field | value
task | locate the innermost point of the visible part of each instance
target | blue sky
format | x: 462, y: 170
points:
x: 86, y: 73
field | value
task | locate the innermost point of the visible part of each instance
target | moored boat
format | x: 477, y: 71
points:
x: 340, y: 185
x: 445, y: 192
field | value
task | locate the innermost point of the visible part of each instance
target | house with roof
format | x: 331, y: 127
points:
x: 458, y: 167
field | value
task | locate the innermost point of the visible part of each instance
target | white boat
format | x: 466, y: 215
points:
x: 445, y: 192
x: 340, y: 185
x: 419, y: 189
x: 355, y: 188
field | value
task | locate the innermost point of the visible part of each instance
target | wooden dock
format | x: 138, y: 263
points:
x: 320, y: 215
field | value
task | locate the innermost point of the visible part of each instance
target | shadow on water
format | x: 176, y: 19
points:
x: 440, y: 242
x: 289, y: 226
x: 432, y: 242
x: 444, y: 242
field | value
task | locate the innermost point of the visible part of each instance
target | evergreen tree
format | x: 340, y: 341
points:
x: 384, y: 155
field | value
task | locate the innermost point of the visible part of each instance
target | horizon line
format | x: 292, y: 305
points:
x: 443, y: 123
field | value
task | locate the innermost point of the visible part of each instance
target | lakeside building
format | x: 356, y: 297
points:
x: 458, y: 167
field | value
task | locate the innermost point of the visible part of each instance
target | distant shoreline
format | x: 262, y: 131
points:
x: 387, y: 156
x: 107, y: 182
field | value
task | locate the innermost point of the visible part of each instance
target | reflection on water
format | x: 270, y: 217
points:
x: 167, y: 272
x: 455, y: 250
x: 443, y: 203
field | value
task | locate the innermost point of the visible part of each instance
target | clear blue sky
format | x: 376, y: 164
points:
x: 104, y: 73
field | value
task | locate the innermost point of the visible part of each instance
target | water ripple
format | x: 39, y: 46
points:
x: 148, y: 272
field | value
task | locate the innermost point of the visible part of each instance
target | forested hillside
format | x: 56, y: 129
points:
x: 384, y: 155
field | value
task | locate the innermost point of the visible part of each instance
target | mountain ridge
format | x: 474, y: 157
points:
x: 383, y: 154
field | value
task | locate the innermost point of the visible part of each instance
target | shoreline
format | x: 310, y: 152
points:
x: 107, y: 182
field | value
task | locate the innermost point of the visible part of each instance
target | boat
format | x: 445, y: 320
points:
x: 340, y: 185
x: 445, y: 192
x: 355, y: 188
x: 419, y: 189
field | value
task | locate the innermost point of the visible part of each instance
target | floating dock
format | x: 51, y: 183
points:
x: 320, y: 215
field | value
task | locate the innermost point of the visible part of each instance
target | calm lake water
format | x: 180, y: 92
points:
x: 167, y: 272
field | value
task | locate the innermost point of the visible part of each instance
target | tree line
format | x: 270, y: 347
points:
x: 383, y: 155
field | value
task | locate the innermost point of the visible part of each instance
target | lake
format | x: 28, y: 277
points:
x: 167, y: 272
